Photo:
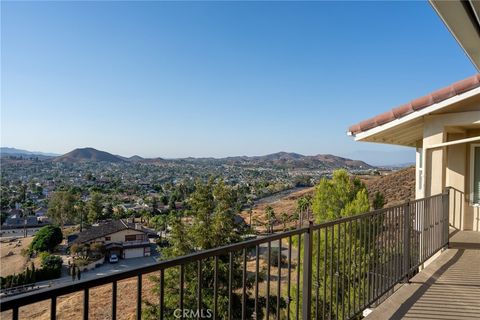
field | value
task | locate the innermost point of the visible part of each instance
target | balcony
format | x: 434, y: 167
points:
x: 333, y: 270
x: 448, y: 288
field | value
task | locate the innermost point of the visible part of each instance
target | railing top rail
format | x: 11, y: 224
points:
x: 44, y: 294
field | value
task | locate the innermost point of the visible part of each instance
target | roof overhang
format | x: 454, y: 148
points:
x: 407, y: 130
x: 462, y: 18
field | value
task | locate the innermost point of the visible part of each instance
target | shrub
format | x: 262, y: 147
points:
x: 46, y: 239
x: 274, y: 252
x: 81, y: 262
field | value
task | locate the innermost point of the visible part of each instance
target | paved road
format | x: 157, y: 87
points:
x: 105, y: 269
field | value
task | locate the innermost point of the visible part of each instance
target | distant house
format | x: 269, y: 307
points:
x: 126, y: 240
x: 16, y: 220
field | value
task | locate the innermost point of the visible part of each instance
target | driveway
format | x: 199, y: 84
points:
x: 120, y: 266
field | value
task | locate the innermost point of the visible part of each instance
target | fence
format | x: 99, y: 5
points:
x: 332, y: 270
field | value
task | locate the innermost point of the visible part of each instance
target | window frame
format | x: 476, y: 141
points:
x: 472, y: 174
x: 130, y: 236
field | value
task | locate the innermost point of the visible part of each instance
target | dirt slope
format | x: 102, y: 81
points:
x: 397, y: 187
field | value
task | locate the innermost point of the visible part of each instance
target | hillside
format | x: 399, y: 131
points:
x: 286, y: 160
x: 88, y: 154
x: 397, y: 187
x: 279, y: 160
x: 5, y: 151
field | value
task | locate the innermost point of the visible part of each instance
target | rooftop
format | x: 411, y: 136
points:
x: 418, y: 104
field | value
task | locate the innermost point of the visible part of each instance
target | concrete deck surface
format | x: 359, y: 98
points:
x: 448, y: 288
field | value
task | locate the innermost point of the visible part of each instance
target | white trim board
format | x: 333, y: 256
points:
x: 416, y: 114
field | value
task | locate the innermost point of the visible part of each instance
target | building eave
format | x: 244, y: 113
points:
x: 462, y: 19
x: 394, y: 132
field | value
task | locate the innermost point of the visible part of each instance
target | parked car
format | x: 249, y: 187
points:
x: 113, y: 258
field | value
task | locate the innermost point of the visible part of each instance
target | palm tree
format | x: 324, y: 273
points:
x: 303, y: 206
x: 284, y: 217
x: 270, y: 215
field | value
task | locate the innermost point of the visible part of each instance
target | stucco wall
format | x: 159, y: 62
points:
x: 120, y: 236
x: 450, y: 166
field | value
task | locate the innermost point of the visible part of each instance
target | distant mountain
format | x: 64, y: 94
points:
x: 20, y: 152
x: 286, y: 160
x: 279, y: 160
x: 384, y: 158
x: 88, y: 154
x: 135, y: 158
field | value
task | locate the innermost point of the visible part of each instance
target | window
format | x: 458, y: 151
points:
x: 475, y: 173
x: 131, y: 237
x: 108, y: 238
x: 420, y: 167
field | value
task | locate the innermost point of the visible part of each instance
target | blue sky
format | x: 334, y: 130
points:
x: 215, y: 78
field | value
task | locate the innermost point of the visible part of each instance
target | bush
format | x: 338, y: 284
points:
x: 46, y: 239
x: 81, y: 262
x: 51, y: 262
x: 274, y: 252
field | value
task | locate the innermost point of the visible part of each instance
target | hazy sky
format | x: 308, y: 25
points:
x: 214, y: 79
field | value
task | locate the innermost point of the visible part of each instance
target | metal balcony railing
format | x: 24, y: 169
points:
x: 332, y: 270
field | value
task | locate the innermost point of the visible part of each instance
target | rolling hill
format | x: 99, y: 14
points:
x: 289, y: 160
x: 279, y: 160
x: 397, y: 187
x: 88, y: 154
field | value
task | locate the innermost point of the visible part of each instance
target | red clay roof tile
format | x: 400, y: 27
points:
x: 418, y: 104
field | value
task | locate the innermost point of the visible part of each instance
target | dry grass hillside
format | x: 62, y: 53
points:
x: 397, y: 187
x: 287, y: 204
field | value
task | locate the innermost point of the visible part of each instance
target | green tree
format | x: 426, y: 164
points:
x: 304, y: 204
x: 378, y: 201
x: 46, y: 239
x: 335, y: 198
x: 94, y: 207
x: 61, y: 207
x: 212, y: 225
x: 271, y: 218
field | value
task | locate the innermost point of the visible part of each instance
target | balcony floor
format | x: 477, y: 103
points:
x: 448, y: 288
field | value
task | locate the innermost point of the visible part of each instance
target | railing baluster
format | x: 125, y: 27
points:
x: 215, y: 288
x: 317, y: 284
x: 332, y: 249
x: 307, y: 273
x: 337, y: 272
x: 325, y: 273
x: 86, y: 295
x: 139, y: 297
x: 244, y: 285
x: 114, y: 300
x: 297, y: 311
x: 199, y: 288
x: 230, y: 284
x: 350, y: 283
x: 257, y: 262
x: 267, y: 303
x: 406, y: 226
x: 344, y: 261
x: 53, y: 308
x: 15, y: 313
x: 289, y: 277
x: 162, y: 293
x: 279, y: 276
x: 182, y: 279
